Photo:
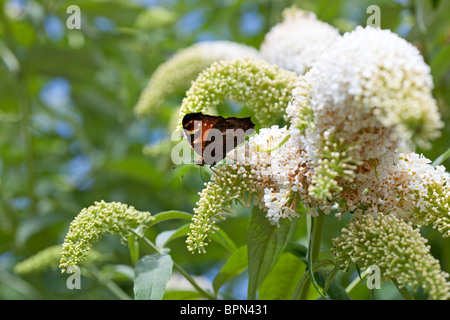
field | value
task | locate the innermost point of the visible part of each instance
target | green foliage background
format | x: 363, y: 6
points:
x: 69, y: 137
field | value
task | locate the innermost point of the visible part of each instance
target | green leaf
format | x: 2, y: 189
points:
x: 135, y: 168
x: 9, y: 59
x: 435, y: 3
x: 234, y: 266
x: 118, y: 272
x: 282, y: 280
x: 165, y: 237
x: 151, y: 275
x: 182, y: 295
x: 168, y: 215
x: 440, y: 63
x: 222, y: 238
x: 265, y: 244
x: 441, y: 158
x: 33, y: 225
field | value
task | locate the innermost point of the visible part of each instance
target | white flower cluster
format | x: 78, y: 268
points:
x: 370, y: 81
x: 411, y: 189
x: 279, y: 168
x: 297, y: 42
x: 361, y: 102
x: 350, y: 114
x: 371, y: 90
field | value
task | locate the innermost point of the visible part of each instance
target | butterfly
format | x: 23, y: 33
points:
x: 212, y: 137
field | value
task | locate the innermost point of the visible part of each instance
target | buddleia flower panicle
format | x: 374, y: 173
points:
x: 92, y: 223
x: 175, y: 75
x: 334, y: 168
x: 263, y: 87
x: 229, y: 184
x: 298, y: 41
x: 409, y: 188
x: 351, y: 115
x: 370, y: 89
x: 396, y: 248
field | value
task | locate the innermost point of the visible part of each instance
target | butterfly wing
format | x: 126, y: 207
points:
x: 197, y: 130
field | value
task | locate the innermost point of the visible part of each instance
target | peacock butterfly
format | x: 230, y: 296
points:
x: 212, y: 137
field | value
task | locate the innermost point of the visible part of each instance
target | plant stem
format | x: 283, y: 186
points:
x: 177, y: 267
x: 315, y: 240
x: 111, y: 285
x: 403, y: 291
x: 355, y: 282
x: 317, y: 236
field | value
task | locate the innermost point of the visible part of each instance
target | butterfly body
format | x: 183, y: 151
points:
x: 212, y: 137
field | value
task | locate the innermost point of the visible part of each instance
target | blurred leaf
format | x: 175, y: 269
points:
x: 440, y: 64
x: 223, y: 239
x: 136, y: 168
x: 9, y: 59
x: 435, y: 3
x: 155, y: 17
x: 234, y: 266
x: 121, y: 12
x: 182, y: 295
x: 152, y: 273
x: 72, y: 64
x: 118, y: 272
x: 34, y: 225
x: 442, y: 158
x: 419, y: 6
x: 17, y: 287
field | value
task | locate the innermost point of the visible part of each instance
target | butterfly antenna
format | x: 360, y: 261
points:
x: 214, y: 171
x: 201, y: 174
x: 181, y: 165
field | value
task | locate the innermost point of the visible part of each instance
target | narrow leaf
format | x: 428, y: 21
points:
x: 223, y: 239
x: 441, y: 158
x: 220, y: 236
x: 151, y: 275
x: 118, y: 272
x: 163, y: 238
x: 168, y: 215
